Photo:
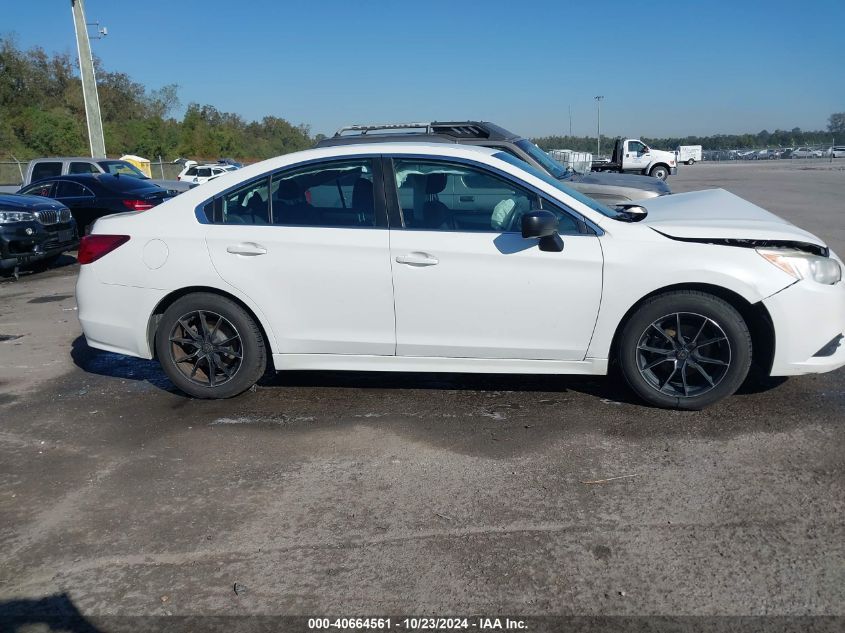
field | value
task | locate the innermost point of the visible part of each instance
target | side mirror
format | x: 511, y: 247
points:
x: 635, y: 211
x: 543, y: 225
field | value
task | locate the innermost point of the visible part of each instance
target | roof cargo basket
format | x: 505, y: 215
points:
x: 424, y: 128
x: 457, y: 129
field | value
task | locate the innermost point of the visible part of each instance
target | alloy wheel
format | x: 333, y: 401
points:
x: 683, y: 354
x: 206, y: 348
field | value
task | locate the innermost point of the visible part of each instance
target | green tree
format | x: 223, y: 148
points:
x: 836, y: 124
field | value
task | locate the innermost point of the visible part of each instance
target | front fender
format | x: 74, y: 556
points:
x: 635, y: 270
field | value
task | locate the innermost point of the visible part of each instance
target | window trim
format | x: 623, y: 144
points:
x: 379, y: 201
x: 395, y: 209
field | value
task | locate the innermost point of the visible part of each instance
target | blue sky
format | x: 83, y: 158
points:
x: 670, y: 68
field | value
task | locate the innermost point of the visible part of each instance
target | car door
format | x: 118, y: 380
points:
x: 82, y: 203
x: 309, y: 246
x: 467, y: 285
x: 634, y: 157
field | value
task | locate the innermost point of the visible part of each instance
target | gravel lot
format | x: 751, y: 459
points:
x: 415, y: 494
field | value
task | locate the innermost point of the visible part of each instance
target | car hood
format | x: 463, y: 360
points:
x: 719, y: 214
x: 646, y: 183
x: 19, y: 202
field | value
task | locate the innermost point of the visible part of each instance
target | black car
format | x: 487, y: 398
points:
x: 34, y: 230
x: 91, y: 196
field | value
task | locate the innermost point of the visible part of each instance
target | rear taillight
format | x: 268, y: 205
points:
x: 138, y: 205
x: 93, y: 247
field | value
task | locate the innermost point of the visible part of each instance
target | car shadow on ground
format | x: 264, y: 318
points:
x: 101, y: 363
x: 35, y: 270
x: 112, y: 365
x: 607, y: 388
x: 50, y: 613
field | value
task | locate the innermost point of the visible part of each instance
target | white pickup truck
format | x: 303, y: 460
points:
x: 634, y: 156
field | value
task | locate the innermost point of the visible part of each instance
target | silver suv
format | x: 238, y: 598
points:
x: 609, y: 189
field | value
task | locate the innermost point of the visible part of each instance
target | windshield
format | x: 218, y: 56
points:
x: 549, y: 164
x: 123, y: 168
x: 557, y: 184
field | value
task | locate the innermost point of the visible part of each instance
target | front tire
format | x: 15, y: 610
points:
x: 210, y: 347
x: 685, y: 350
x: 659, y: 171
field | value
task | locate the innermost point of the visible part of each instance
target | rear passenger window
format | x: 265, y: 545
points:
x: 46, y: 170
x: 247, y: 205
x: 336, y: 194
x: 68, y: 189
x: 82, y: 168
x: 192, y: 171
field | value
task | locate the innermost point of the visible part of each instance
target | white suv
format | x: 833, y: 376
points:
x: 199, y: 174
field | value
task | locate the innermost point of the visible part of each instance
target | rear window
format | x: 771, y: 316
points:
x: 79, y: 167
x: 123, y: 168
x: 46, y: 170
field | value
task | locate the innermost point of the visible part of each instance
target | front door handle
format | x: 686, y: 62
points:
x: 417, y: 259
x: 246, y: 248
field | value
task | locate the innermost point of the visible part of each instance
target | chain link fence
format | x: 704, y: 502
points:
x: 12, y: 171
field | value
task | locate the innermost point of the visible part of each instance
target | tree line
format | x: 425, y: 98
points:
x: 763, y: 139
x: 42, y: 113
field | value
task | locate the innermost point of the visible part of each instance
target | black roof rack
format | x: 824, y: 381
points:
x: 452, y: 129
x: 363, y: 129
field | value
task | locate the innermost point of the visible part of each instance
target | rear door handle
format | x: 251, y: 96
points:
x: 246, y: 248
x: 417, y: 259
x: 467, y: 198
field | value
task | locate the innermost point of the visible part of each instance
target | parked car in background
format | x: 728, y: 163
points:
x: 806, y: 152
x: 422, y: 257
x: 92, y: 196
x: 198, y: 174
x: 837, y: 151
x: 608, y: 188
x: 41, y: 168
x: 34, y: 231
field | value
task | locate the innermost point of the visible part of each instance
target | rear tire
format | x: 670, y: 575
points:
x: 210, y: 347
x: 691, y: 161
x: 685, y: 350
x: 659, y: 171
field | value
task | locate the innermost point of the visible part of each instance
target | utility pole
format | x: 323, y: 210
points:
x: 89, y: 82
x: 570, y: 120
x: 598, y: 124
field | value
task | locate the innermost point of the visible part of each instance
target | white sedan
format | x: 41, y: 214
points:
x: 449, y: 258
x: 201, y: 174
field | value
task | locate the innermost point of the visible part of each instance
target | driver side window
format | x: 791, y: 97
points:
x: 441, y: 196
x: 635, y: 146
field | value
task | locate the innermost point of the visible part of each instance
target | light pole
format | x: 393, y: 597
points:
x: 598, y: 125
x: 89, y: 83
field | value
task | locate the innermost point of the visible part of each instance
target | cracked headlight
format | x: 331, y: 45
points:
x: 7, y: 217
x: 801, y: 265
